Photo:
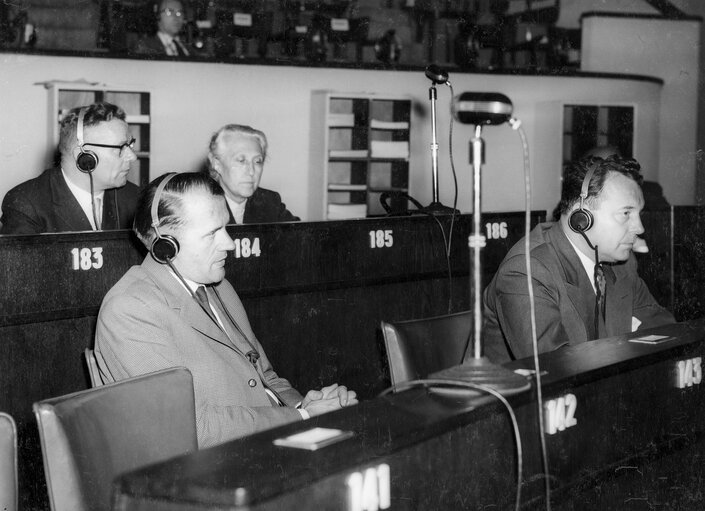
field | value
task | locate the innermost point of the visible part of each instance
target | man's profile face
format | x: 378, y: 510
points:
x: 113, y: 163
x: 203, y: 241
x: 239, y: 163
x: 170, y: 17
x: 617, y: 218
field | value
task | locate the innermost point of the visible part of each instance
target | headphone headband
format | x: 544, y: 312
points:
x: 586, y: 184
x: 164, y: 247
x: 79, y: 127
x: 581, y: 219
x: 86, y: 160
x: 156, y: 199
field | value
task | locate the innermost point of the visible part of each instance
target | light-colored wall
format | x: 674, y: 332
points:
x: 191, y: 100
x: 670, y: 50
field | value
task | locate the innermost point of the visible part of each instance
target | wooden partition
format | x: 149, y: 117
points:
x: 315, y: 294
x: 624, y: 423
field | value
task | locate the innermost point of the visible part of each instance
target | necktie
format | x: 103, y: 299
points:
x: 179, y: 48
x: 600, y: 296
x: 202, y: 298
x: 237, y: 337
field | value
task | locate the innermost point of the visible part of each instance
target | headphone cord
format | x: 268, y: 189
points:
x: 95, y: 214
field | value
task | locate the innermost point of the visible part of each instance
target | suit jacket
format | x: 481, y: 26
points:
x: 46, y: 204
x: 148, y: 322
x: 152, y: 45
x: 564, y: 299
x: 265, y: 206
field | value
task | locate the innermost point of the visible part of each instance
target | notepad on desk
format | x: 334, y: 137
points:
x: 313, y: 439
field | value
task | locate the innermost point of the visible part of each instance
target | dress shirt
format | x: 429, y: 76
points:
x: 170, y: 44
x: 237, y: 209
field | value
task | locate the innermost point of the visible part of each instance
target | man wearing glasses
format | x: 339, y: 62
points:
x: 170, y: 20
x: 88, y: 189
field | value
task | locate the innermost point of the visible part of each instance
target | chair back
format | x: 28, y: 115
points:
x: 93, y: 371
x: 420, y: 347
x: 8, y: 463
x: 90, y: 437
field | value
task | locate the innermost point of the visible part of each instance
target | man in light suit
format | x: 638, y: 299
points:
x: 89, y: 189
x: 585, y: 255
x: 156, y: 317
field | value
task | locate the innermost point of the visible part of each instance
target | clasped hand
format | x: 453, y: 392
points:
x: 328, y: 399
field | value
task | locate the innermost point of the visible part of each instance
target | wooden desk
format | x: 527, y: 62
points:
x: 315, y: 294
x: 633, y: 439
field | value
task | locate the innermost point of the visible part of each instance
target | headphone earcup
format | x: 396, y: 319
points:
x: 164, y: 248
x: 86, y: 161
x: 580, y: 220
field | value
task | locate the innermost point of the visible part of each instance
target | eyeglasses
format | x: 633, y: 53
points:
x: 130, y: 143
x: 172, y: 12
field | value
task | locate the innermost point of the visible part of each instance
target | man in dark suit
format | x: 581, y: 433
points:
x: 584, y: 275
x: 176, y: 309
x: 236, y: 160
x: 170, y: 17
x: 89, y: 189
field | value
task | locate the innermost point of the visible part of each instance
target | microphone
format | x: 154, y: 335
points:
x: 436, y: 74
x: 482, y: 108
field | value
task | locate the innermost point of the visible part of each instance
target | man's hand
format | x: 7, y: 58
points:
x: 332, y: 397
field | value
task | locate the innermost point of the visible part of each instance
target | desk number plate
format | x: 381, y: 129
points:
x: 369, y: 490
x: 560, y: 413
x: 690, y: 372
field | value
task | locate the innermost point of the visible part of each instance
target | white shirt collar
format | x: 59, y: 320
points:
x: 192, y: 286
x: 84, y: 198
x: 165, y: 38
x: 237, y: 209
x: 588, y: 264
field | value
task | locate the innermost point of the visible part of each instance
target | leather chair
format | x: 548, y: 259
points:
x: 420, y: 347
x: 93, y: 371
x: 90, y: 437
x: 8, y: 463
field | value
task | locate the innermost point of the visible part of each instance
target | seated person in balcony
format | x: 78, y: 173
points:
x: 89, y: 189
x: 236, y: 160
x: 183, y: 312
x: 584, y: 275
x: 170, y: 20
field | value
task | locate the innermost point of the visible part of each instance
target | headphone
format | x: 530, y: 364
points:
x: 581, y: 219
x: 87, y: 160
x: 164, y: 247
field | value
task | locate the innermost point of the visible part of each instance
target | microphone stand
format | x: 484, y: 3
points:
x: 435, y: 208
x: 479, y: 369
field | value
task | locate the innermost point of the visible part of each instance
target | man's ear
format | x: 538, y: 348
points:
x: 214, y: 163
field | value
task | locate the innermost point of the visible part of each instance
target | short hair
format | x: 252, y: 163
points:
x: 575, y: 172
x: 237, y: 129
x: 171, y: 203
x: 95, y: 114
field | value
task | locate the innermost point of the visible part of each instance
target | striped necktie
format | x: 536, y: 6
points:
x: 237, y: 337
